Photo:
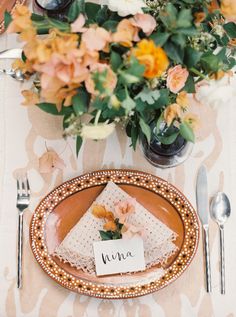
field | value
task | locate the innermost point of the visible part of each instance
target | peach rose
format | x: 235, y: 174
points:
x: 176, y: 78
x: 96, y: 39
x: 111, y: 78
x: 145, y: 22
x: 78, y: 24
x: 228, y: 8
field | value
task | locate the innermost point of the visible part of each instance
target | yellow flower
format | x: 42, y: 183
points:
x: 182, y: 100
x: 152, y: 57
x: 31, y: 98
x: 228, y: 8
x: 99, y: 211
x: 172, y: 112
x: 193, y: 120
x: 109, y: 216
x: 115, y: 102
x: 110, y: 226
x: 22, y: 23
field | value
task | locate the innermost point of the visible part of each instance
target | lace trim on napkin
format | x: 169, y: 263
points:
x: 77, y: 247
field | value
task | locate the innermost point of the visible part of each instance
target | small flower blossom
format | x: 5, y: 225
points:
x: 176, y: 78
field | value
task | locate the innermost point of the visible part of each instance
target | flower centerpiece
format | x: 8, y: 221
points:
x: 123, y: 62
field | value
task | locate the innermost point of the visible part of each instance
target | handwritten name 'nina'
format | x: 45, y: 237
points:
x: 118, y: 256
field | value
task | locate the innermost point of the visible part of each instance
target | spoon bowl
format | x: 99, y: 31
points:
x: 220, y: 208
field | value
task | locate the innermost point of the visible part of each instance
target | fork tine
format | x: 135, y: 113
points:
x: 18, y: 187
x: 27, y: 184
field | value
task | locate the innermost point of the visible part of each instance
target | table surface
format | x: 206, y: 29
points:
x: 23, y: 133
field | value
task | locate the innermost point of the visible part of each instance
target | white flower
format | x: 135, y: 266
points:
x: 216, y: 93
x: 125, y: 7
x: 99, y: 131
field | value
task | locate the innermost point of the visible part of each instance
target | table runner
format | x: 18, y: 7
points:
x: 23, y: 132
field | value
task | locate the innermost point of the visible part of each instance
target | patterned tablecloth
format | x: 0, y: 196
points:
x: 23, y: 133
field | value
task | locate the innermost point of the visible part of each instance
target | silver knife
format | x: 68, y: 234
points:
x: 203, y: 211
x: 11, y: 53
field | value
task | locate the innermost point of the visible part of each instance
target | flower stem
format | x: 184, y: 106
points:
x: 196, y: 72
x: 97, y: 117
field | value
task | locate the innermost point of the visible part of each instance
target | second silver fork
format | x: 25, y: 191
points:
x: 23, y: 198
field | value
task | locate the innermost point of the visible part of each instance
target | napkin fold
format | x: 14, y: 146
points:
x: 77, y: 246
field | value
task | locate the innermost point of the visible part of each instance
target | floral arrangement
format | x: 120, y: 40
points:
x: 123, y: 62
x: 116, y: 224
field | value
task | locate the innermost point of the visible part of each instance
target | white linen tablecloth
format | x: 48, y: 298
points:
x: 23, y: 132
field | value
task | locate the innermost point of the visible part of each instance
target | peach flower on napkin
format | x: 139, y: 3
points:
x: 124, y: 208
x: 49, y: 161
x: 176, y: 78
x: 132, y: 231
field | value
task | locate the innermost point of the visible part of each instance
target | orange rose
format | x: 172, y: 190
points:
x: 152, y: 57
x: 110, y: 226
x: 176, y: 78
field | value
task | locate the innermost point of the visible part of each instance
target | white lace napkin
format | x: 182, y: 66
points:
x: 77, y: 247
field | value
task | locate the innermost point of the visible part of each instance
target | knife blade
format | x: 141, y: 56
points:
x: 11, y: 53
x: 203, y: 212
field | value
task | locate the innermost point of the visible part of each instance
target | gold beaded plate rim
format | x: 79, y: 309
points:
x: 17, y: 2
x: 130, y: 177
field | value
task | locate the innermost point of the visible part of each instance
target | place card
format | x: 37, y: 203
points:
x: 119, y: 256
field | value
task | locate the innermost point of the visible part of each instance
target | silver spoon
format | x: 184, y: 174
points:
x: 16, y: 74
x: 220, y: 212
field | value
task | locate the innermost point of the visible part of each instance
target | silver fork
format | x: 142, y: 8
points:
x: 23, y: 198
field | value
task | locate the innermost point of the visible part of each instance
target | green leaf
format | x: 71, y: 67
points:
x: 105, y: 235
x: 7, y: 19
x: 210, y: 62
x: 168, y: 139
x: 163, y: 100
x: 179, y: 39
x: 75, y: 10
x: 230, y: 29
x: 160, y: 38
x: 116, y: 60
x: 49, y: 108
x: 186, y: 132
x: 145, y: 129
x: 190, y: 85
x: 135, y: 68
x: 158, y: 124
x: 80, y: 102
x: 134, y: 136
x: 128, y: 103
x: 148, y: 95
x: 191, y: 57
x: 102, y: 15
x: 110, y: 25
x: 37, y: 18
x: 185, y: 18
x: 174, y: 52
x: 79, y: 142
x: 169, y: 16
x: 188, y: 31
x: 92, y: 10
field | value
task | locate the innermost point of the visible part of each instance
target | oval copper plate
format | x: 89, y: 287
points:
x: 61, y: 209
x: 7, y: 5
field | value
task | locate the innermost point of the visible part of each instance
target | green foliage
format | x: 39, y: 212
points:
x: 7, y: 19
x: 230, y: 29
x: 80, y: 102
x: 145, y: 129
x: 186, y: 132
x: 77, y: 7
x: 79, y: 142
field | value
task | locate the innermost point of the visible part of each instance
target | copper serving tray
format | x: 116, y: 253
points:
x: 61, y: 209
x: 7, y: 5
